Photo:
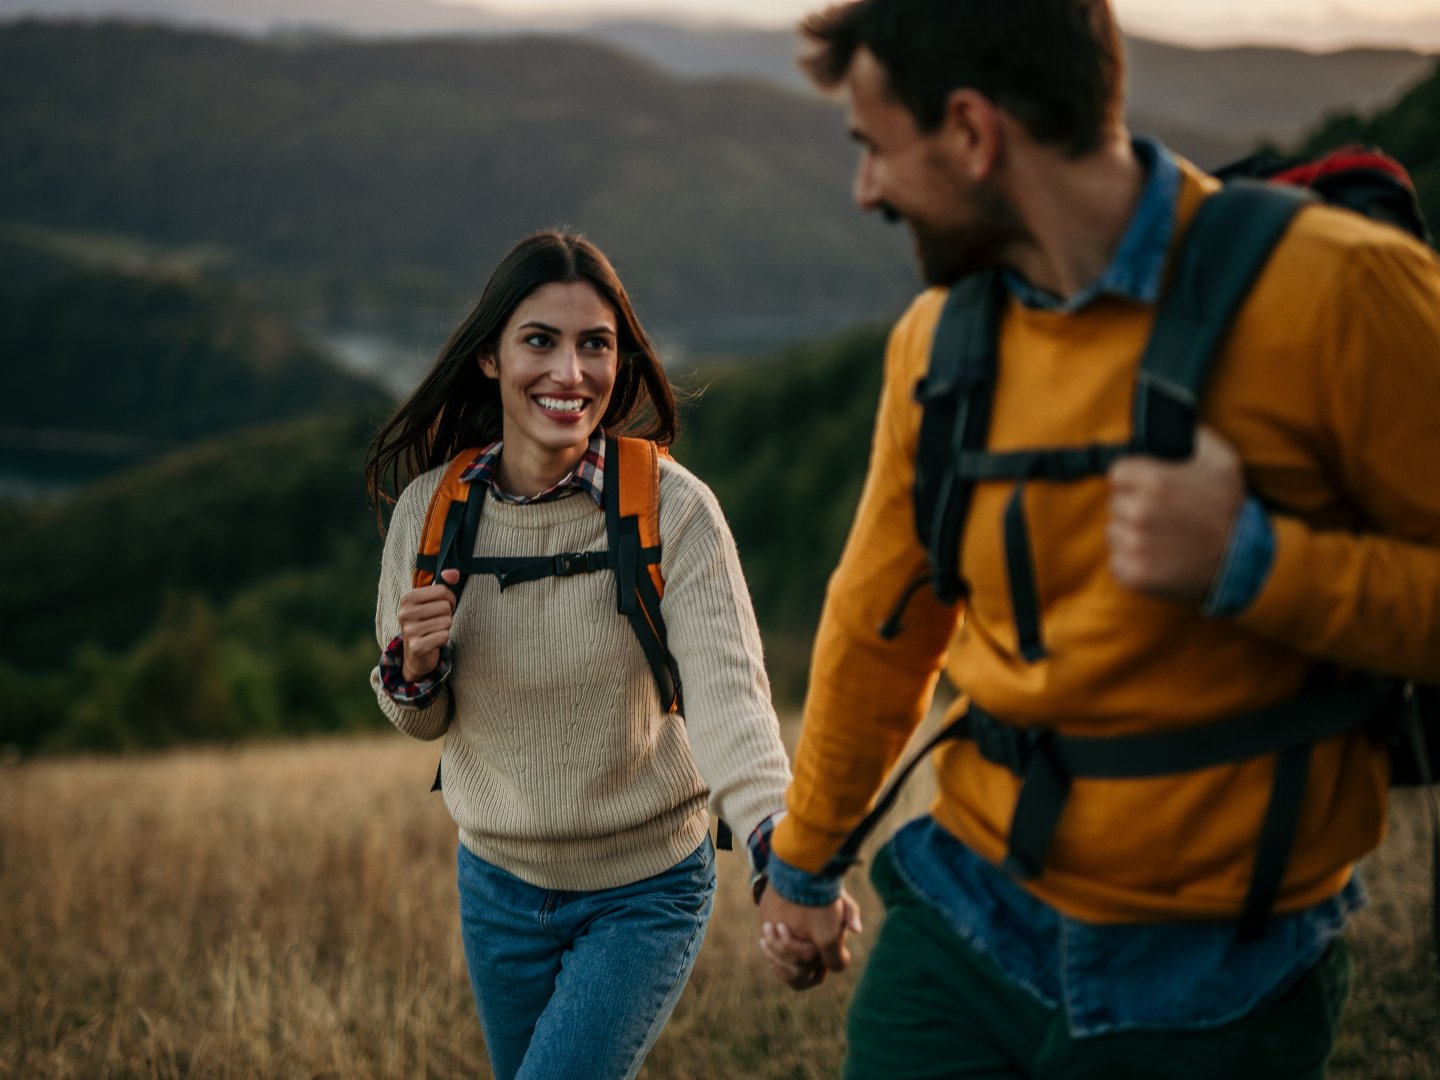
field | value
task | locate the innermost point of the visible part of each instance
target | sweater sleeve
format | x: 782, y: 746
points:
x: 1369, y: 597
x: 867, y: 695
x: 396, y: 574
x: 712, y: 634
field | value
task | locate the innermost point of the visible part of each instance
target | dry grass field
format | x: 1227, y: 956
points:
x: 289, y: 911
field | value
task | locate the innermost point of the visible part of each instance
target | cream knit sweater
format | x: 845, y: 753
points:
x: 559, y: 765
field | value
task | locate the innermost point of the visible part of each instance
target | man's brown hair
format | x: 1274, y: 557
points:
x: 1057, y: 66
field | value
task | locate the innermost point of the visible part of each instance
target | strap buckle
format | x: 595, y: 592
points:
x: 568, y: 564
x: 1003, y: 744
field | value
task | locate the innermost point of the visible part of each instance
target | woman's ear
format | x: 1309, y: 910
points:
x: 488, y: 367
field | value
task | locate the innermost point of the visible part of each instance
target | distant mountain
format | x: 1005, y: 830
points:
x: 1253, y: 94
x: 358, y: 17
x: 353, y: 180
x: 1211, y: 104
x: 709, y: 52
x: 1207, y: 101
x: 365, y: 188
x: 121, y: 364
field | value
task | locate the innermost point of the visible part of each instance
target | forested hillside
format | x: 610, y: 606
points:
x: 375, y: 182
x: 229, y: 589
x: 784, y: 441
x: 1408, y: 130
x: 355, y: 180
x: 136, y: 362
x: 221, y: 591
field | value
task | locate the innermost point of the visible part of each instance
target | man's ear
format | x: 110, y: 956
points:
x: 488, y: 367
x: 974, y: 133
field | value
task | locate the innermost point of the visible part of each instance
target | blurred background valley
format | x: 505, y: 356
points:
x: 225, y: 249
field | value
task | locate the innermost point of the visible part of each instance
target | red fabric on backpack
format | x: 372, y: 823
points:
x: 1346, y: 159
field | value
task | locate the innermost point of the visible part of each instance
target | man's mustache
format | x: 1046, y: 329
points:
x: 889, y: 213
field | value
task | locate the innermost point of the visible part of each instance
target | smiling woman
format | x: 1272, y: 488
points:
x: 555, y: 365
x: 585, y: 868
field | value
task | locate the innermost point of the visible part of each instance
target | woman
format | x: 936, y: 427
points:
x: 585, y: 865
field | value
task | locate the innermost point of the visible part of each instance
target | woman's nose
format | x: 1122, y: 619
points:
x: 565, y: 368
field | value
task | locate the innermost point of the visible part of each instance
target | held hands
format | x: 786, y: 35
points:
x: 1170, y: 520
x: 803, y: 943
x: 425, y: 615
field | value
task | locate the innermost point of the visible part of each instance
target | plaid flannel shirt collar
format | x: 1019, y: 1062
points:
x: 588, y: 476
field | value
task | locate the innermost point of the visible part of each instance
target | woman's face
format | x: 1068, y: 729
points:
x: 555, y: 363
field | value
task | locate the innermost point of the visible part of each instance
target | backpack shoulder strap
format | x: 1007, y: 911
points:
x: 632, y: 522
x: 1227, y: 245
x: 632, y: 526
x: 955, y: 396
x: 453, y: 512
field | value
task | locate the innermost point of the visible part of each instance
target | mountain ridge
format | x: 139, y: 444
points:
x: 373, y: 183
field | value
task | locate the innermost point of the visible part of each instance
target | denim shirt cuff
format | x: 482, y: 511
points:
x: 1249, y: 555
x: 421, y: 692
x: 802, y: 887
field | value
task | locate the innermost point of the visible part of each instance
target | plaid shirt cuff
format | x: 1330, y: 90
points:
x: 759, y: 845
x: 421, y: 692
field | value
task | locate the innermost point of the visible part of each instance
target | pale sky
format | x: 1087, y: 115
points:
x: 1306, y: 23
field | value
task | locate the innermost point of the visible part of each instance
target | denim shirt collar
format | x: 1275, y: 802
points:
x: 1138, y: 268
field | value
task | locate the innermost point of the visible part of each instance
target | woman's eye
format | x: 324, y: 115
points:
x: 537, y: 340
x: 598, y: 344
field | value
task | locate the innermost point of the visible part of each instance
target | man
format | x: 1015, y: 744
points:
x: 1304, y: 531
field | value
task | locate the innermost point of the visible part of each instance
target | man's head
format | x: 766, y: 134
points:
x: 939, y: 88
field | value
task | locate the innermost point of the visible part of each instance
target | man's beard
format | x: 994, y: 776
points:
x: 948, y: 254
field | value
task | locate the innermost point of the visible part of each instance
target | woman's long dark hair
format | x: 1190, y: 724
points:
x: 456, y: 406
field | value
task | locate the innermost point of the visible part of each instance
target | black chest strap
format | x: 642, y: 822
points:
x: 1047, y: 762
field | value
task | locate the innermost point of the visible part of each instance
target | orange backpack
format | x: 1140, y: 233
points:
x: 631, y: 501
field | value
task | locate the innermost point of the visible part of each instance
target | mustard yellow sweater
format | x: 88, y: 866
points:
x: 1330, y: 388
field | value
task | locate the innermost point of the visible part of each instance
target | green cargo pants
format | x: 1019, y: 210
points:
x: 928, y: 1006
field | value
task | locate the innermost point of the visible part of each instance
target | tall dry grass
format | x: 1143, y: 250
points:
x: 289, y: 911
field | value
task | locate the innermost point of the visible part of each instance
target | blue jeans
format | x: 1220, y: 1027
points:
x: 579, y: 984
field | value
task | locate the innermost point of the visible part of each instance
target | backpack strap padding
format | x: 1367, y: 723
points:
x: 452, y: 490
x: 638, y: 468
x: 632, y: 526
x: 955, y: 394
x: 1228, y: 243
